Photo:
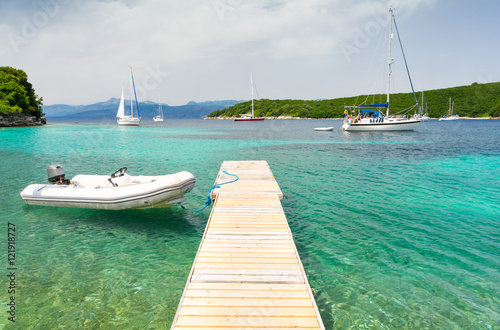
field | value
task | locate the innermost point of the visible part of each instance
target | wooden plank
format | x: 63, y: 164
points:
x: 247, y: 279
x: 246, y: 260
x: 245, y: 250
x: 253, y: 271
x: 241, y: 224
x: 246, y: 245
x: 226, y: 214
x: 222, y: 302
x: 246, y: 218
x: 261, y: 294
x: 242, y: 237
x: 246, y: 311
x: 257, y: 320
x: 250, y: 233
x: 248, y: 230
x: 248, y: 328
x: 262, y: 218
x: 281, y: 242
x: 249, y: 210
x: 253, y: 254
x: 263, y: 227
x: 239, y: 286
x: 248, y: 221
x: 247, y: 266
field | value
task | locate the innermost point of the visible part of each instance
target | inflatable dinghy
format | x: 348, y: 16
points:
x: 118, y: 191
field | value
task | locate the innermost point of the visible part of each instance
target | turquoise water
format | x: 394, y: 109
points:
x: 395, y: 230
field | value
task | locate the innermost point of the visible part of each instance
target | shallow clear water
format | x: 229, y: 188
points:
x: 395, y: 230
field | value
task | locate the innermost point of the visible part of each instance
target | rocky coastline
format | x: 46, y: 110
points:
x: 17, y: 120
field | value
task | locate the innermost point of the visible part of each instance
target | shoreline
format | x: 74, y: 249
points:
x: 299, y: 118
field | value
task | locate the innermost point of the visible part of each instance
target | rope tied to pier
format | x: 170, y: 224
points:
x: 209, y: 200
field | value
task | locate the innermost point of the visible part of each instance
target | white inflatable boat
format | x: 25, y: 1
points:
x: 118, y: 191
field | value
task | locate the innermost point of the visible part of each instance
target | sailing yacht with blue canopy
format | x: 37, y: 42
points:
x: 371, y: 117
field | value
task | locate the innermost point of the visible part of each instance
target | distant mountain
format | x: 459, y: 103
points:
x: 225, y: 103
x: 107, y: 110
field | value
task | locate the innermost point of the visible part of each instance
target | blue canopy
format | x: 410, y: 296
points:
x: 375, y: 113
x: 377, y: 105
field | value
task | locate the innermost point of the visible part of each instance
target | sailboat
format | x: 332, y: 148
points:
x: 128, y: 119
x: 369, y: 119
x: 425, y: 116
x: 159, y: 117
x: 249, y: 117
x: 450, y: 115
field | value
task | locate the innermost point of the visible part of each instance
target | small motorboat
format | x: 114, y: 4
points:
x: 323, y: 129
x: 118, y: 191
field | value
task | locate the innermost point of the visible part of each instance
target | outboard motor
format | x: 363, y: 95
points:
x: 56, y: 174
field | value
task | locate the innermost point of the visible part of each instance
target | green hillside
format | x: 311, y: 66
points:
x: 476, y: 100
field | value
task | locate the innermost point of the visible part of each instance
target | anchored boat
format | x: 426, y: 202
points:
x: 160, y: 112
x: 125, y: 119
x: 118, y: 191
x: 250, y: 117
x: 371, y: 120
x: 451, y: 115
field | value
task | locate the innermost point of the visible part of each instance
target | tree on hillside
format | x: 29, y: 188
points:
x: 17, y: 93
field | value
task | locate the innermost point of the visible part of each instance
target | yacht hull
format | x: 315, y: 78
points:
x: 409, y: 125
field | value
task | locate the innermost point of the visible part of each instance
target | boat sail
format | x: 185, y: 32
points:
x: 125, y: 119
x: 450, y: 115
x: 369, y: 119
x: 247, y: 117
x: 159, y: 117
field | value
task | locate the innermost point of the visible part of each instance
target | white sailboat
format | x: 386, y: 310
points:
x: 159, y: 117
x: 128, y: 119
x: 451, y: 115
x: 375, y: 120
x: 247, y: 117
x: 425, y: 116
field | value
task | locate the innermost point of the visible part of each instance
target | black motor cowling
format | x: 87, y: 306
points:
x: 56, y: 174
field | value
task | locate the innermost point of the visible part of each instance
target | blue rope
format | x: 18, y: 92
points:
x: 209, y: 199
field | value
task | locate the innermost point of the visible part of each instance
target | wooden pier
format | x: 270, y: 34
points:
x: 247, y: 273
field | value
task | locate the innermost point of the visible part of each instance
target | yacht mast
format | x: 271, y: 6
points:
x: 421, y: 111
x: 251, y: 87
x: 135, y: 95
x: 131, y: 96
x: 390, y: 62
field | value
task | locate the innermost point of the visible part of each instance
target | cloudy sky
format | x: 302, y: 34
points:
x: 80, y: 52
